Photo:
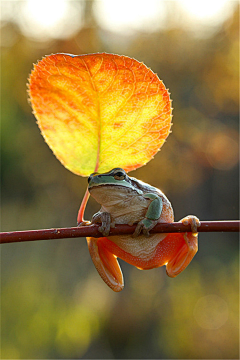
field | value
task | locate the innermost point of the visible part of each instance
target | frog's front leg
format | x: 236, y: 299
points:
x: 152, y: 215
x: 105, y: 219
x: 186, y: 252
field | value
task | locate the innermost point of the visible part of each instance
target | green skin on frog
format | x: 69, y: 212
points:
x: 126, y: 200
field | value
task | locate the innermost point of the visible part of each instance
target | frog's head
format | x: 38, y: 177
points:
x: 113, y: 184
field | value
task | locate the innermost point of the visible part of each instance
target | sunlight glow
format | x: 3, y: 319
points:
x: 150, y: 15
x: 130, y: 15
x: 49, y: 18
x: 45, y: 12
x: 46, y: 19
x: 206, y: 10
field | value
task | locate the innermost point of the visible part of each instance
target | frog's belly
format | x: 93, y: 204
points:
x: 141, y: 247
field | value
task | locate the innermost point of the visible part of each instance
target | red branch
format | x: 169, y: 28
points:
x: 92, y: 230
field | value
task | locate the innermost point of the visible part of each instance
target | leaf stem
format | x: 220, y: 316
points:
x: 82, y: 207
x: 92, y: 230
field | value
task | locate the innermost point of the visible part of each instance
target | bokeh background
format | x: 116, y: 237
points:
x: 54, y: 304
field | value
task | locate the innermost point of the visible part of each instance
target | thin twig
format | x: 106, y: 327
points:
x: 92, y: 230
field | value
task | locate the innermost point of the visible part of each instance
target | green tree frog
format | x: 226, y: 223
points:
x: 126, y: 200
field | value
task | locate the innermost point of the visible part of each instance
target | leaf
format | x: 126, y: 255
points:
x: 100, y: 111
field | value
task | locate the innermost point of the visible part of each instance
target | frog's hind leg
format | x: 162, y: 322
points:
x: 184, y: 256
x: 188, y: 249
x: 106, y: 264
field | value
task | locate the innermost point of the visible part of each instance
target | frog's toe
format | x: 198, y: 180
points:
x: 144, y: 226
x: 138, y: 229
x: 104, y: 229
x: 113, y: 224
x: 84, y: 223
x: 105, y: 219
x: 193, y: 221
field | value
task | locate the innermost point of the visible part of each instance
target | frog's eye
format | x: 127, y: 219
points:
x: 119, y: 175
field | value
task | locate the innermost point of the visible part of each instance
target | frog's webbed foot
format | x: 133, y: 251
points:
x: 106, y: 264
x: 144, y: 226
x: 187, y: 251
x: 193, y: 221
x: 105, y: 219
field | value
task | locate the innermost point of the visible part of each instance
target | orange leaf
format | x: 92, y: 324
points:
x: 100, y: 111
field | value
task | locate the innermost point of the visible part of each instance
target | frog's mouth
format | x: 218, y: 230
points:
x: 110, y: 187
x: 106, y: 186
x: 107, y: 193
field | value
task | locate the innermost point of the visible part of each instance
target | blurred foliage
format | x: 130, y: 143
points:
x: 54, y: 305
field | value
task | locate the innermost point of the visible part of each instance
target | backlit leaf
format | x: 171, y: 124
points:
x: 100, y: 111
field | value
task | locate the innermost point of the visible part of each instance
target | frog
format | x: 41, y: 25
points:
x: 127, y: 200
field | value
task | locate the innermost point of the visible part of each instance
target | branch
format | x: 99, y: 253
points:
x: 92, y: 230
